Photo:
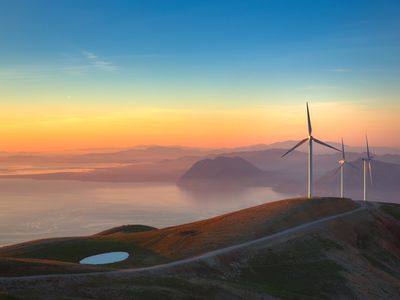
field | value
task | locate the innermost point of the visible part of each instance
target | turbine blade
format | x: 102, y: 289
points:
x: 331, y: 175
x: 352, y: 165
x: 343, y: 155
x: 366, y: 140
x: 337, y: 171
x: 309, y: 120
x: 295, y: 146
x: 326, y: 145
x: 370, y: 171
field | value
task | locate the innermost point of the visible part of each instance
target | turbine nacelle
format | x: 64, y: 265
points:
x: 310, y: 140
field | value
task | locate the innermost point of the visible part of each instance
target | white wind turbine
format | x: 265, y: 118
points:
x: 310, y: 140
x: 366, y: 160
x: 343, y: 162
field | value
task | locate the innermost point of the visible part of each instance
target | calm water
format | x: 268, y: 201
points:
x: 32, y: 209
x: 105, y: 258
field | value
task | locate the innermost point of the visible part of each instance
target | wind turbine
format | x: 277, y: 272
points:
x: 343, y: 162
x: 310, y: 140
x: 366, y: 160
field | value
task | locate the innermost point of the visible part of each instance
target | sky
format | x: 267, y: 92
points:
x: 81, y: 74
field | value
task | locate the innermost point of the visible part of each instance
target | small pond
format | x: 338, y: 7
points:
x: 105, y: 258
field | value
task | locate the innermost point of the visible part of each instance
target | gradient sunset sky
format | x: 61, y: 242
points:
x: 80, y: 74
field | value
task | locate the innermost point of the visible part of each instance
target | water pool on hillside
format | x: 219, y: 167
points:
x: 105, y: 258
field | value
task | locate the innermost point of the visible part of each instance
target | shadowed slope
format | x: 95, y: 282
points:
x: 29, y: 266
x: 352, y: 257
x: 173, y: 243
x: 225, y: 171
x: 127, y: 228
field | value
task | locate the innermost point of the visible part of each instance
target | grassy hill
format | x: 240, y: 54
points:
x: 149, y: 246
x: 353, y: 257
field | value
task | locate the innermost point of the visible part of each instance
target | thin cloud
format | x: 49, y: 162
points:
x: 342, y: 70
x: 89, y: 55
x: 105, y: 65
x: 98, y: 63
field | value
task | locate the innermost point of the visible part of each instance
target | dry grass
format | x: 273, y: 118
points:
x: 354, y: 257
x: 160, y: 245
x: 28, y: 266
x: 237, y: 227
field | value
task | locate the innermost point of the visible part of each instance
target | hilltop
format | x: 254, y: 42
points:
x: 352, y: 257
x: 385, y: 183
x: 152, y: 246
x: 224, y: 170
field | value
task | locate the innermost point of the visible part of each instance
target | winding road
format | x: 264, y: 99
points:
x: 207, y: 255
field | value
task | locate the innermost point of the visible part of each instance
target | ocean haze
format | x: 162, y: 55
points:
x: 33, y: 209
x: 86, y: 193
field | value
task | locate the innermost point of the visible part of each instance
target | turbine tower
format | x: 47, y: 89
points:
x: 310, y: 140
x: 343, y: 162
x: 367, y: 160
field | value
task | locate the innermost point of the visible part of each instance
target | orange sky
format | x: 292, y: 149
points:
x: 208, y: 74
x: 58, y: 127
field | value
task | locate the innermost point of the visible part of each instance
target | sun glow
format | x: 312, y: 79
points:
x: 57, y: 128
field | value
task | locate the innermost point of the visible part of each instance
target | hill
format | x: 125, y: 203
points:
x: 155, y: 246
x: 131, y: 155
x: 294, y: 165
x: 224, y: 170
x: 352, y: 257
x: 169, y: 164
x: 385, y: 185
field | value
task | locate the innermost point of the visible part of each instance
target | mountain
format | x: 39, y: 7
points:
x: 159, y: 171
x: 155, y: 153
x: 317, y: 150
x: 224, y: 170
x: 385, y: 185
x: 292, y: 166
x: 168, y: 164
x: 390, y: 158
x: 146, y: 154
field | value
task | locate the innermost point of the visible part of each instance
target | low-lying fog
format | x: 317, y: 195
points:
x: 33, y: 209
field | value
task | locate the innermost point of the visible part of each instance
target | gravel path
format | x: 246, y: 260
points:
x: 207, y: 255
